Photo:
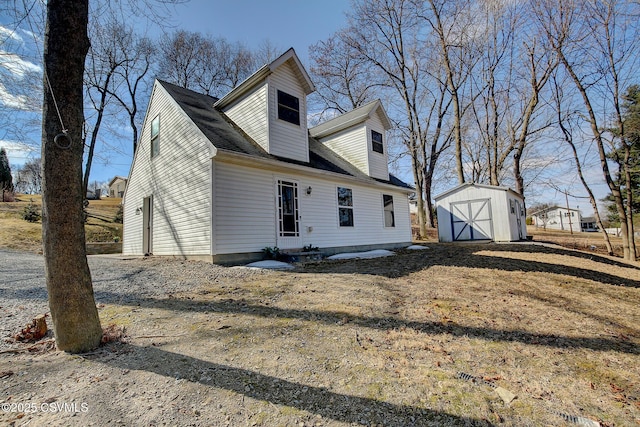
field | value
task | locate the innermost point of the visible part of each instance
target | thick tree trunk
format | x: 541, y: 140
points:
x: 73, y: 311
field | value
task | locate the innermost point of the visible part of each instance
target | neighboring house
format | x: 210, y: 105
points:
x: 480, y: 212
x: 222, y: 179
x: 589, y: 223
x: 117, y: 186
x: 557, y: 218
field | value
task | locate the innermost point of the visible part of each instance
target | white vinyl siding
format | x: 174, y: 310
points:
x: 179, y: 182
x: 378, y: 162
x: 245, y: 211
x: 250, y: 113
x: 351, y: 145
x: 244, y: 217
x: 287, y: 139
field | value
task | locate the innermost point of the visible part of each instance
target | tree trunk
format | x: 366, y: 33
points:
x: 73, y: 310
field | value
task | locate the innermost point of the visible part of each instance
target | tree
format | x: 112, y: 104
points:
x: 597, y: 47
x: 73, y: 310
x: 6, y: 179
x: 209, y: 65
x: 29, y: 177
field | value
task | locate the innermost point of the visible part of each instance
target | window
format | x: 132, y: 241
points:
x: 288, y: 108
x: 345, y: 207
x: 389, y: 219
x: 376, y: 142
x: 155, y: 139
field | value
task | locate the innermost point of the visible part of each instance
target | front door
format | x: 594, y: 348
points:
x: 288, y: 215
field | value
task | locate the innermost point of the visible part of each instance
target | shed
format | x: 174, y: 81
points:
x: 472, y: 212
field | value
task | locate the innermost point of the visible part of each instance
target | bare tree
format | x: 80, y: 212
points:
x: 73, y: 310
x: 210, y: 65
x: 566, y: 123
x: 597, y: 47
x: 454, y: 26
x: 29, y: 177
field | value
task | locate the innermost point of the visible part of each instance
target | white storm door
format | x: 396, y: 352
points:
x: 471, y: 220
x: 288, y: 215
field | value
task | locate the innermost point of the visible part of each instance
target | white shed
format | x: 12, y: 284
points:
x: 480, y: 212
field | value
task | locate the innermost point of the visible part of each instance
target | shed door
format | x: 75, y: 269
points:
x: 471, y: 220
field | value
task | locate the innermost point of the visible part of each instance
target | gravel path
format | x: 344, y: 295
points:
x: 23, y: 291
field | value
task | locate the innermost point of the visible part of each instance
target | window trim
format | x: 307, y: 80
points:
x: 345, y: 207
x: 385, y: 210
x: 286, y: 110
x: 375, y: 143
x: 155, y: 138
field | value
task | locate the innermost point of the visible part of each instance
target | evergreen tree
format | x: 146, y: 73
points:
x: 6, y: 180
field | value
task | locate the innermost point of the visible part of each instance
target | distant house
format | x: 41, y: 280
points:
x: 223, y: 179
x: 480, y: 212
x: 589, y: 223
x: 557, y: 218
x: 117, y: 186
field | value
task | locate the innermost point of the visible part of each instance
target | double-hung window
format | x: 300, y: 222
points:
x: 376, y: 142
x: 288, y: 108
x: 155, y: 136
x: 345, y: 207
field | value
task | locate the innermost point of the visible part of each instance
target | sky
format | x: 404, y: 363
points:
x: 284, y: 23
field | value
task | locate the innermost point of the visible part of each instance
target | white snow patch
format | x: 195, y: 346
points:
x: 270, y: 264
x: 370, y: 254
x: 417, y: 247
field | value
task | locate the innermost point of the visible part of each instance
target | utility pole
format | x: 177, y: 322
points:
x: 566, y: 197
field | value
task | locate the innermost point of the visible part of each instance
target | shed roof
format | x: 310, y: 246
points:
x: 479, y: 186
x: 226, y: 136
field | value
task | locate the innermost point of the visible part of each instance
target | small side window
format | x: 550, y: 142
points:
x: 389, y: 217
x: 155, y: 136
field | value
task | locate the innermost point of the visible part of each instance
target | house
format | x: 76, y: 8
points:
x: 557, y: 218
x: 223, y: 179
x: 589, y: 224
x: 480, y: 212
x: 117, y: 186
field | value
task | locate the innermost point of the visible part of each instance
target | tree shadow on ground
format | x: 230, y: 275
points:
x: 466, y: 255
x: 317, y: 400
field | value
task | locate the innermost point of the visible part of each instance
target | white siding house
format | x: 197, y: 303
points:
x: 221, y: 179
x: 480, y: 212
x: 558, y: 218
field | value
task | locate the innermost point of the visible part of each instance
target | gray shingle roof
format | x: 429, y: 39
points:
x: 225, y: 135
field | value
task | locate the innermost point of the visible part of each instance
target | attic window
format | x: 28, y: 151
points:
x: 376, y: 142
x: 288, y: 108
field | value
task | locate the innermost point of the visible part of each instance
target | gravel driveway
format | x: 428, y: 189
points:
x: 23, y: 290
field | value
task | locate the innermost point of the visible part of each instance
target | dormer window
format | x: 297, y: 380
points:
x: 288, y: 108
x: 376, y: 142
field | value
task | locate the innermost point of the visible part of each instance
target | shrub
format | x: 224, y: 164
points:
x: 271, y: 252
x: 118, y: 217
x: 31, y: 212
x: 310, y: 248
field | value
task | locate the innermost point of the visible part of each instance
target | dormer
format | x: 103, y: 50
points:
x: 271, y: 107
x: 359, y: 137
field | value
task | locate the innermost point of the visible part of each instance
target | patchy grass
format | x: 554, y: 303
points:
x: 590, y: 242
x: 18, y: 234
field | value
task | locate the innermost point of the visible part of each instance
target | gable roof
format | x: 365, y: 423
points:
x: 262, y: 73
x: 476, y: 185
x: 226, y: 136
x: 116, y: 178
x: 351, y: 118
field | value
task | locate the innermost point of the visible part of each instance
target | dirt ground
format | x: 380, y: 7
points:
x: 492, y: 334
